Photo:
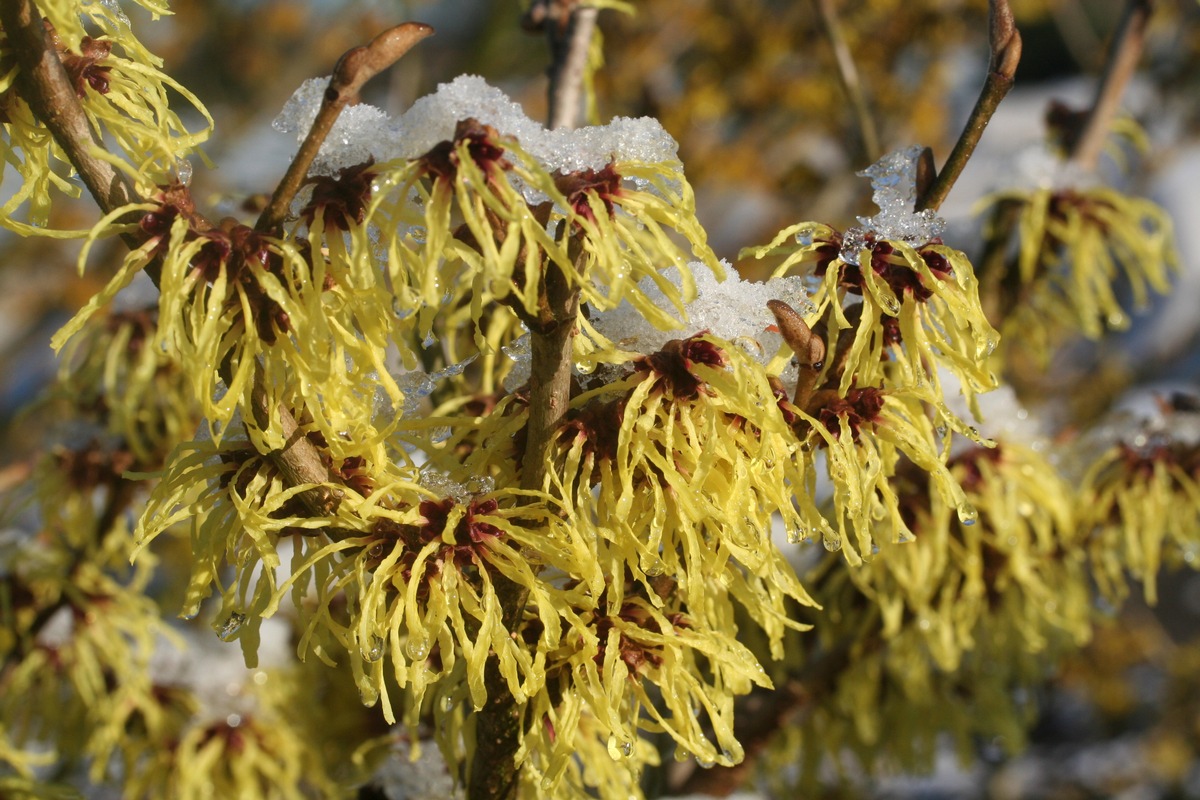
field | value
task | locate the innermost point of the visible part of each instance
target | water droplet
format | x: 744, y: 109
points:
x: 547, y: 783
x: 1117, y: 320
x: 429, y: 341
x: 448, y: 703
x: 376, y: 651
x: 417, y: 649
x: 229, y: 628
x: 705, y: 763
x: 233, y: 720
x: 832, y: 542
x: 967, y: 514
x: 183, y: 170
x: 681, y: 754
x: 804, y: 237
x: 627, y: 749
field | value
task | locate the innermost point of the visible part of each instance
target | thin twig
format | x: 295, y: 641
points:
x: 353, y: 70
x: 851, y: 82
x: 1123, y: 57
x: 569, y: 26
x: 1005, y: 44
x: 300, y: 460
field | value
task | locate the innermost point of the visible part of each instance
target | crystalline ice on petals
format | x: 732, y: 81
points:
x: 732, y: 309
x: 439, y: 482
x: 894, y: 180
x: 853, y: 241
x: 364, y: 131
x: 114, y: 8
x: 301, y: 108
x: 520, y: 353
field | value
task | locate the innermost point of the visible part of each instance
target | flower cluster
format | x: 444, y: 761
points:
x: 122, y: 91
x: 1075, y: 244
x: 1138, y: 501
x: 881, y: 357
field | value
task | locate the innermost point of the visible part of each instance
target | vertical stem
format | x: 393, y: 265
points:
x: 498, y: 726
x: 494, y: 773
x: 566, y: 80
x: 851, y: 82
x: 1123, y: 57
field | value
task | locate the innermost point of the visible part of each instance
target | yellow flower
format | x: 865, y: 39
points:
x: 1074, y: 244
x: 1139, y: 505
x: 123, y: 92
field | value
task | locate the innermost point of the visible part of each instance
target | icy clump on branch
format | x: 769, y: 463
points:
x: 364, y: 131
x: 894, y: 181
x: 732, y: 309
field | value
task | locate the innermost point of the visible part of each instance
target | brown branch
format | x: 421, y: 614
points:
x: 851, y: 82
x: 300, y: 460
x: 43, y: 83
x: 1123, y: 58
x: 498, y: 726
x: 494, y: 773
x: 353, y: 70
x: 1005, y: 43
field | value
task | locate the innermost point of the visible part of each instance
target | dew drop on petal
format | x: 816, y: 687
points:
x: 967, y: 514
x: 417, y: 649
x: 376, y: 651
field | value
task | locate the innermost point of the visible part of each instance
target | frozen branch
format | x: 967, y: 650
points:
x: 353, y: 70
x: 1005, y: 43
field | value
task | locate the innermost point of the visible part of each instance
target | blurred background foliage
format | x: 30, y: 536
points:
x: 749, y: 88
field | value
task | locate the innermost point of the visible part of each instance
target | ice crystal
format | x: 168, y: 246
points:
x: 417, y: 385
x: 364, y: 132
x: 441, y: 484
x: 732, y: 309
x: 894, y: 181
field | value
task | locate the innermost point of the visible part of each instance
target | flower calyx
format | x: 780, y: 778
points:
x: 341, y: 202
x: 674, y: 365
x: 442, y: 161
